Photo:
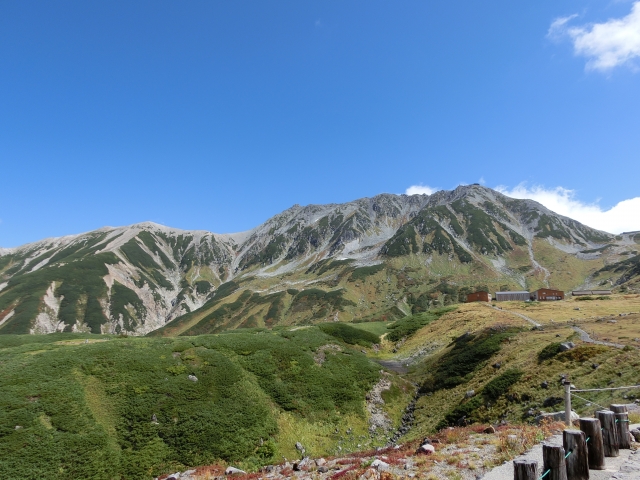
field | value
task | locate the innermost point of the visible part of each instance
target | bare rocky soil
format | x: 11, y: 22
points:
x: 461, y: 453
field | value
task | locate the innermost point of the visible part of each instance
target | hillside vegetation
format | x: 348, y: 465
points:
x: 128, y: 408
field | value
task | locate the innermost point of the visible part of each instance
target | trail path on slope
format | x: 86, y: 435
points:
x: 524, y: 317
x: 624, y: 467
x: 584, y: 336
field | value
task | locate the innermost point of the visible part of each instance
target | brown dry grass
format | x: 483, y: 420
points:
x: 564, y: 311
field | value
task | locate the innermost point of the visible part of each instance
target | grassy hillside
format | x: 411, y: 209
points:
x: 498, y: 356
x: 126, y: 407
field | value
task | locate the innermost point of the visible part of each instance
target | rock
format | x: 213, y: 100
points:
x: 489, y: 429
x: 321, y: 462
x: 380, y: 465
x: 636, y: 434
x: 154, y: 419
x: 566, y: 346
x: 469, y: 394
x: 234, y: 471
x: 173, y: 476
x: 370, y: 474
x: 18, y: 427
x: 556, y: 417
x: 427, y: 448
x: 497, y: 365
x: 551, y: 401
x: 193, y: 378
x: 299, y: 447
x: 594, y: 366
x: 544, y: 384
x: 301, y: 465
x: 577, y: 308
x: 323, y: 469
x: 426, y: 440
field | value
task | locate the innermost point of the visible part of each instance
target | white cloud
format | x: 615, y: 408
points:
x: 623, y: 217
x: 606, y: 45
x: 420, y: 189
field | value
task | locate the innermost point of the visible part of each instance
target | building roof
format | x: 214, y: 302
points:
x: 505, y: 293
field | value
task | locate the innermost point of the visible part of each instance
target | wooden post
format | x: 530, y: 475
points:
x: 575, y: 445
x: 525, y: 470
x: 609, y: 433
x: 553, y: 458
x: 567, y: 402
x: 618, y: 408
x: 592, y: 430
x: 622, y: 429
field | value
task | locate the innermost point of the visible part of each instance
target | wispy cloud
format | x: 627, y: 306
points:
x: 623, y: 217
x: 420, y: 190
x: 605, y: 45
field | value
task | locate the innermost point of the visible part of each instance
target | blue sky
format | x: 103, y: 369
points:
x: 218, y: 115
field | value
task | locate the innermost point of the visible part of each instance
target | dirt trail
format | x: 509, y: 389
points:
x: 584, y: 336
x: 524, y: 317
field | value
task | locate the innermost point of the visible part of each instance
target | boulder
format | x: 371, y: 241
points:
x: 469, y: 394
x: 321, y: 462
x: 193, y: 378
x: 566, y: 346
x: 556, y: 417
x: 380, y: 465
x: 544, y: 384
x: 551, y: 401
x: 427, y: 448
x: 323, y: 469
x: 302, y: 464
x: 234, y: 471
x: 636, y: 434
x: 489, y: 429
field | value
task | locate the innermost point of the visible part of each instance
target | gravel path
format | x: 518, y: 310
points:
x: 624, y: 467
x: 584, y: 336
x: 524, y: 317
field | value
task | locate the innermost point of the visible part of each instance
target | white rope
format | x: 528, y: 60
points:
x: 603, y: 389
x: 588, y: 401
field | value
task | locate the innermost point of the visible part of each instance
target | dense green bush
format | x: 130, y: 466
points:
x: 465, y: 412
x: 499, y: 385
x: 469, y: 352
x: 407, y: 326
x: 349, y: 334
x: 549, y: 351
x: 361, y: 273
x: 85, y: 410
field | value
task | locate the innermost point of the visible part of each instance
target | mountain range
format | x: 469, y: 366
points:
x: 378, y: 258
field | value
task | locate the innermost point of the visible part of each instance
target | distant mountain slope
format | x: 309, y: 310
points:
x: 380, y: 257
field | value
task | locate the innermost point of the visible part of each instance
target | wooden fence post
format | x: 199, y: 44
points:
x: 525, y: 470
x: 553, y: 458
x: 577, y: 461
x: 618, y: 408
x: 622, y: 427
x: 567, y: 402
x: 622, y: 424
x: 609, y: 433
x: 593, y: 431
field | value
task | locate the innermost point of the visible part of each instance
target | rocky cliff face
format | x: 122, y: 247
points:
x: 386, y: 255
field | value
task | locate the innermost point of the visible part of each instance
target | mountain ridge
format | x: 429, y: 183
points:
x: 143, y: 277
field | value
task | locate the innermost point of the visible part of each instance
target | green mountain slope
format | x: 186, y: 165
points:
x: 139, y: 407
x: 373, y: 258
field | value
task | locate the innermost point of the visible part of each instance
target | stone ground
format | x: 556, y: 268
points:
x: 624, y: 467
x: 460, y: 454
